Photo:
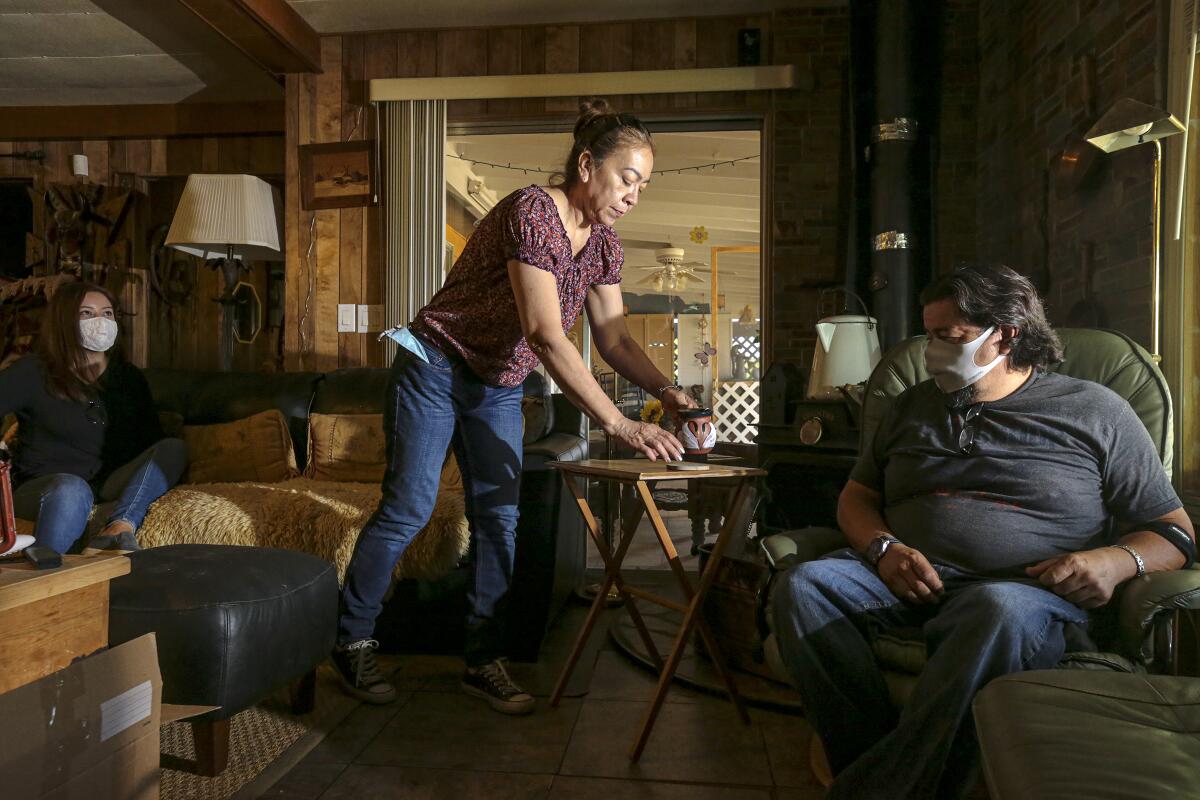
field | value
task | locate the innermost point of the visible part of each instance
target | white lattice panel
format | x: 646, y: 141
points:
x: 736, y: 410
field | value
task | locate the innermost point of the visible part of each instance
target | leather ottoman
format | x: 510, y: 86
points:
x: 1064, y: 734
x: 233, y: 624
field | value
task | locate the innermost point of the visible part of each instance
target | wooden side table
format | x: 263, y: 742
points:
x: 641, y: 473
x: 50, y: 617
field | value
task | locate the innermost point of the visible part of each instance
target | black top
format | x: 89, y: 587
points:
x: 86, y: 439
x: 1048, y: 469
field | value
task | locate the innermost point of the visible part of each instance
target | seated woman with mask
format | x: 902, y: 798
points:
x: 87, y: 429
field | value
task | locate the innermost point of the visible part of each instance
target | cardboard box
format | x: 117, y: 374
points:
x: 86, y: 732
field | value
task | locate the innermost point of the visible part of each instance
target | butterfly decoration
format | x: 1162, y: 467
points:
x: 706, y: 352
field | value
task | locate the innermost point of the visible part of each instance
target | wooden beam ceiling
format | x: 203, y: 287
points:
x: 42, y: 123
x: 269, y: 32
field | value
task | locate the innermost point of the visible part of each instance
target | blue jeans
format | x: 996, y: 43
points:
x: 61, y: 503
x: 826, y: 612
x: 429, y: 407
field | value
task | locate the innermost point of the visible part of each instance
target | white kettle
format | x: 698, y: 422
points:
x: 847, y: 351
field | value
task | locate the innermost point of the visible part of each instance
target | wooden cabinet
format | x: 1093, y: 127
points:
x: 655, y: 334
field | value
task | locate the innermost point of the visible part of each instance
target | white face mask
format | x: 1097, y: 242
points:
x: 98, y: 334
x: 952, y: 366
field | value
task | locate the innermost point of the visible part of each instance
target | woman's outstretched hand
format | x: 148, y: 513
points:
x: 651, y: 440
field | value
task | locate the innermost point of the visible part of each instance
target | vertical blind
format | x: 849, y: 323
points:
x: 414, y: 207
x: 1181, y: 70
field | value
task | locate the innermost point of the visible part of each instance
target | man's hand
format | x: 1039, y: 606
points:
x: 909, y: 575
x: 1086, y: 578
x: 675, y: 399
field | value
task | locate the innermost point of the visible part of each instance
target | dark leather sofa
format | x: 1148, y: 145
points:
x: 424, y: 616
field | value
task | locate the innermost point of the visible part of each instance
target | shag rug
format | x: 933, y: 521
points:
x: 318, y: 517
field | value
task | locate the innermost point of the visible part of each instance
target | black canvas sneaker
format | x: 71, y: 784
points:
x: 356, y: 666
x: 492, y: 682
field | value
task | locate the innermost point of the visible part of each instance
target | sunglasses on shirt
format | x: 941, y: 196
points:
x: 967, y: 423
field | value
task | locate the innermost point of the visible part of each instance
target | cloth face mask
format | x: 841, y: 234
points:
x: 97, y: 334
x: 953, y: 366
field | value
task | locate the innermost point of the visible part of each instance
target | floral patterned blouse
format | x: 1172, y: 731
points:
x: 474, y: 314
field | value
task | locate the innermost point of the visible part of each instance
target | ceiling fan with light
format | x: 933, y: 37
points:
x: 672, y: 272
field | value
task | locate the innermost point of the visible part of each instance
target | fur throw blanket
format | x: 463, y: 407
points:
x: 318, y: 517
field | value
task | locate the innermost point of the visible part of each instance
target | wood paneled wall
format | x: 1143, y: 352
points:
x: 334, y: 256
x: 146, y: 158
x: 187, y: 337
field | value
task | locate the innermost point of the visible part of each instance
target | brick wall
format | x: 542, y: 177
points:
x: 807, y: 138
x: 1033, y: 102
x: 957, y: 188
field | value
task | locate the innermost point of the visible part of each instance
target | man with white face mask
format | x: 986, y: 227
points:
x: 983, y: 514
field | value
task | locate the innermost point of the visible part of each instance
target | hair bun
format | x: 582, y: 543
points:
x: 590, y: 111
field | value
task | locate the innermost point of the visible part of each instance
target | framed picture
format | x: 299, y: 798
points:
x: 337, y: 175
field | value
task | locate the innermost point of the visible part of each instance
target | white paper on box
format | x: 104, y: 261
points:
x: 125, y: 710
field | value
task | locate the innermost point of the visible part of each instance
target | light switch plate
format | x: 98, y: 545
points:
x: 370, y: 318
x: 346, y: 320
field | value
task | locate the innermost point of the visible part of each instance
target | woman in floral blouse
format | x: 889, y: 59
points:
x: 534, y: 262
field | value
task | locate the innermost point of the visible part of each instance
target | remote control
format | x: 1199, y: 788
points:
x: 42, y: 557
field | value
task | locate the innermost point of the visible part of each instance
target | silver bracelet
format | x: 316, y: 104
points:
x: 663, y: 389
x: 1141, y: 565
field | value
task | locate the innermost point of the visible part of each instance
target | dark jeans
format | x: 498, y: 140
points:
x: 428, y: 408
x: 826, y: 612
x: 61, y: 502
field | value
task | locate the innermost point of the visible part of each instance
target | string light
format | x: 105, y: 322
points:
x: 712, y: 167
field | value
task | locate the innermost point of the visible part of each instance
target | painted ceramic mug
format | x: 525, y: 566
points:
x: 696, y: 432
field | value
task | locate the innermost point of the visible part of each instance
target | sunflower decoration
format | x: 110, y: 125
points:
x: 652, y: 412
x: 699, y: 234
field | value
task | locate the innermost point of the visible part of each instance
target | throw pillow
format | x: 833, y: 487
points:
x: 257, y: 448
x: 346, y: 447
x: 172, y: 423
x: 533, y: 417
x: 352, y: 448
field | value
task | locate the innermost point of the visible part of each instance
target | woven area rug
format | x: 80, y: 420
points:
x: 259, y: 737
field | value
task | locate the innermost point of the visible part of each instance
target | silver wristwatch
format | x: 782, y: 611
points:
x: 878, y: 546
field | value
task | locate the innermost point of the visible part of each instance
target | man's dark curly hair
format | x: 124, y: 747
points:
x: 998, y: 295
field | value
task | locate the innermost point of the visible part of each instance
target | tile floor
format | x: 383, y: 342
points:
x: 435, y: 742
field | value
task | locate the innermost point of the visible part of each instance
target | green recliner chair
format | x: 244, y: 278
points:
x: 1147, y: 614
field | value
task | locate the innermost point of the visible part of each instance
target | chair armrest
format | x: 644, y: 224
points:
x: 1149, y: 599
x: 806, y: 544
x: 555, y: 447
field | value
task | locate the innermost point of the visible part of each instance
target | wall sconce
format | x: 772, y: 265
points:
x: 79, y: 166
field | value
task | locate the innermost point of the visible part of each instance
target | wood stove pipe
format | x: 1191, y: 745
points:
x: 899, y: 261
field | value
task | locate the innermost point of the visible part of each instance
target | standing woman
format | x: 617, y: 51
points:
x: 535, y: 260
x: 87, y: 428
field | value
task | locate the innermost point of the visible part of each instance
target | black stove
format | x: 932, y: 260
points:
x: 808, y: 448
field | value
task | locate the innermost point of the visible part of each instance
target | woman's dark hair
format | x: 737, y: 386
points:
x: 602, y: 132
x: 997, y: 295
x: 68, y: 373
